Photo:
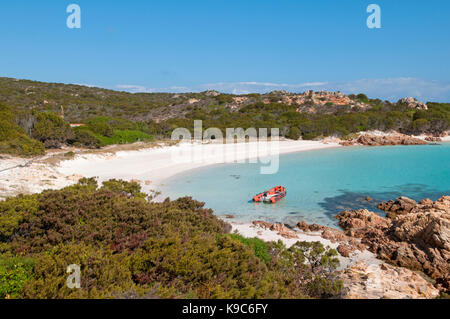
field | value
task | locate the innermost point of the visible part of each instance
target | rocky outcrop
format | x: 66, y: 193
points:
x: 383, y: 140
x: 416, y: 237
x: 281, y: 229
x: 347, y: 245
x: 382, y: 281
x: 433, y: 139
x: 402, y: 205
x: 343, y: 250
x: 413, y: 103
x: 310, y: 100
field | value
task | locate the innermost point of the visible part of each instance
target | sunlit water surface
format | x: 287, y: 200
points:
x: 320, y: 183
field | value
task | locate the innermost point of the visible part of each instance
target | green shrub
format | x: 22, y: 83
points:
x: 128, y: 246
x: 85, y: 138
x: 103, y: 273
x: 294, y: 133
x: 51, y: 130
x: 7, y: 130
x: 101, y: 126
x: 125, y: 137
x: 22, y: 145
x: 260, y: 247
x: 14, y: 273
x: 12, y: 212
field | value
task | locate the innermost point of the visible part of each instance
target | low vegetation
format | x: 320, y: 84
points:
x: 31, y: 119
x: 127, y: 246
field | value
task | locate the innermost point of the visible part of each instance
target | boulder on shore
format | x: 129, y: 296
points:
x: 346, y: 244
x: 381, y: 140
x: 281, y: 229
x: 384, y: 281
x: 418, y: 238
x: 402, y: 205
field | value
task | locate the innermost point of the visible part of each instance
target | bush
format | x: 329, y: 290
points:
x: 294, y: 133
x: 101, y: 126
x: 7, y: 130
x: 51, y: 130
x: 103, y: 273
x: 125, y: 137
x: 85, y: 138
x: 420, y: 126
x: 14, y: 273
x: 362, y: 97
x: 260, y: 248
x: 22, y: 145
x: 127, y: 246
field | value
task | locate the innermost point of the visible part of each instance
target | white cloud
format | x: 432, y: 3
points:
x: 387, y: 89
x: 132, y: 88
x: 396, y: 88
x: 142, y: 89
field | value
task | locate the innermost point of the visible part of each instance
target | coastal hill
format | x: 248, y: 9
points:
x: 81, y: 102
x: 37, y: 115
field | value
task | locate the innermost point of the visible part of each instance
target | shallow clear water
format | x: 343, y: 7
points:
x: 320, y: 183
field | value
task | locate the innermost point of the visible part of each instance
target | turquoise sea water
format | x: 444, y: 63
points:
x: 320, y: 183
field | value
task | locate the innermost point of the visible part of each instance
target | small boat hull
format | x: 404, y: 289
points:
x: 271, y: 196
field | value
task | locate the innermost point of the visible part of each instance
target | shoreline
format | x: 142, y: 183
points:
x: 148, y: 164
x: 251, y: 231
x: 151, y: 167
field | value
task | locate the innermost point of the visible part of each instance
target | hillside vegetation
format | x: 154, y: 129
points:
x: 35, y: 115
x: 128, y: 247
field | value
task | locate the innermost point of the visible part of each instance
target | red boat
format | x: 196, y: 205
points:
x: 273, y: 195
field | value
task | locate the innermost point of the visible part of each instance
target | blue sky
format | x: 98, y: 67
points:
x: 232, y: 46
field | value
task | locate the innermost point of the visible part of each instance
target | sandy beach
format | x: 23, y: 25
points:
x: 153, y: 166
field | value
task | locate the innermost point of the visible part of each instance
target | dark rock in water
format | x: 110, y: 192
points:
x: 368, y: 198
x: 229, y: 216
